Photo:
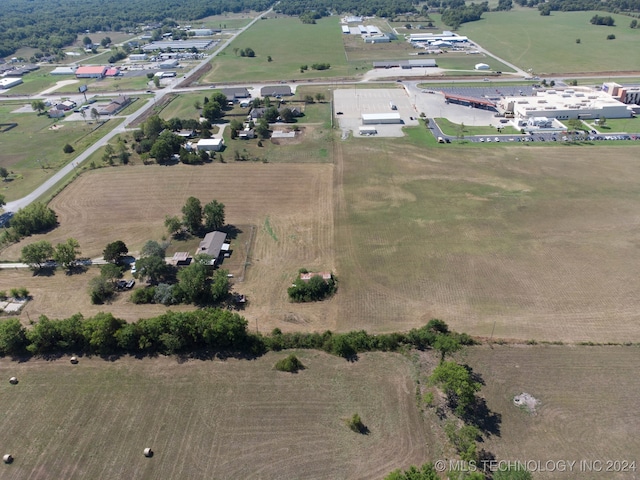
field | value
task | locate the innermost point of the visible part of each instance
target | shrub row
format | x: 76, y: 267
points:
x: 210, y: 330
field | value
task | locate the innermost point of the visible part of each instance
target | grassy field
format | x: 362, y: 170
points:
x: 36, y: 82
x: 512, y: 241
x: 291, y: 44
x: 460, y: 61
x: 449, y: 128
x: 211, y: 419
x: 582, y: 390
x: 31, y: 166
x: 613, y: 125
x: 525, y: 38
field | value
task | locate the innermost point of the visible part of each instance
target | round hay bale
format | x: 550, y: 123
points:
x: 148, y: 452
x: 74, y: 360
x: 8, y: 458
x: 13, y: 381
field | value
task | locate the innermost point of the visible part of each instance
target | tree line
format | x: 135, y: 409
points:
x: 38, y: 24
x: 210, y: 330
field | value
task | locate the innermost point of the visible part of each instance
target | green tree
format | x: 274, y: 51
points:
x: 100, y: 289
x: 37, y: 253
x: 192, y: 283
x: 512, y: 472
x: 212, y: 111
x: 262, y: 128
x: 152, y: 127
x: 161, y: 151
x: 65, y: 254
x: 464, y: 439
x: 220, y: 285
x: 426, y: 472
x: 286, y: 115
x: 219, y: 98
x: 34, y: 218
x: 458, y: 385
x: 173, y: 225
x: 114, y: 251
x: 320, y: 97
x: 153, y: 249
x: 87, y: 41
x: 111, y: 272
x: 4, y: 173
x: 633, y: 24
x: 214, y: 215
x: 67, y: 148
x: 356, y: 425
x: 152, y: 268
x: 13, y: 338
x: 192, y: 214
x: 95, y: 115
x: 290, y: 364
x: 446, y: 345
x: 38, y: 106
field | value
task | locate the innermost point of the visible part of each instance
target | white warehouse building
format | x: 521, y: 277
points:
x: 379, y: 118
x: 565, y: 105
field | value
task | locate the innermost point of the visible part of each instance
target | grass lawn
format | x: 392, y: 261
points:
x: 227, y: 21
x: 449, y: 128
x: 212, y: 419
x: 290, y: 43
x: 460, y: 61
x: 37, y: 81
x: 31, y: 166
x: 617, y: 125
x: 525, y: 38
x: 114, y: 84
x: 182, y: 106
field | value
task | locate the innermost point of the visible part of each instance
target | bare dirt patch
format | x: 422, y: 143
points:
x: 56, y: 126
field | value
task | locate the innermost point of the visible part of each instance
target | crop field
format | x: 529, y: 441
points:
x: 517, y: 36
x: 290, y: 43
x: 522, y: 242
x: 587, y: 411
x: 210, y: 419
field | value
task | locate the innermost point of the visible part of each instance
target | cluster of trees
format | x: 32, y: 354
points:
x: 290, y: 364
x: 380, y: 8
x: 313, y: 290
x: 246, y: 52
x: 614, y: 6
x: 36, y: 24
x: 156, y: 139
x: 195, y: 217
x: 456, y: 16
x: 103, y: 334
x: 37, y: 254
x: 602, y: 20
x: 182, y: 332
x: 35, y: 218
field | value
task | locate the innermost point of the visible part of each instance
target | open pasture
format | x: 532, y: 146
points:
x: 31, y: 166
x: 526, y: 38
x: 291, y: 206
x: 587, y: 411
x: 210, y: 419
x: 522, y: 242
x: 290, y: 43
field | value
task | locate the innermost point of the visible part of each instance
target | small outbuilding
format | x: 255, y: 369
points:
x: 481, y: 66
x: 378, y: 118
x: 210, y: 144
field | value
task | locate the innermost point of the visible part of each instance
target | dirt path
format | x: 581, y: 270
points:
x: 58, y: 85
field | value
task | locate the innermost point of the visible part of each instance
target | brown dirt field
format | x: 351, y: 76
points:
x: 588, y: 405
x: 233, y: 419
x: 130, y: 204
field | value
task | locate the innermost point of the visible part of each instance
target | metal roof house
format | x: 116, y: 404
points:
x: 275, y: 91
x: 212, y: 244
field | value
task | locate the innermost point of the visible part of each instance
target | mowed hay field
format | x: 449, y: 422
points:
x: 232, y: 419
x: 588, y: 405
x: 291, y: 207
x: 525, y: 243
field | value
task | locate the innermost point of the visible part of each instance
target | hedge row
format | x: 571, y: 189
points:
x: 212, y: 330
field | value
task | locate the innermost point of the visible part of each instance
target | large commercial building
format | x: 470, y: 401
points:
x: 179, y: 45
x: 380, y: 118
x: 565, y: 105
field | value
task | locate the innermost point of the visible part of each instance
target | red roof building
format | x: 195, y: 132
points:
x: 90, y: 72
